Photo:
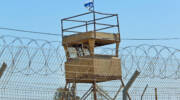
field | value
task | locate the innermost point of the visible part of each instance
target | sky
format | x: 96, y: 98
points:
x: 138, y: 18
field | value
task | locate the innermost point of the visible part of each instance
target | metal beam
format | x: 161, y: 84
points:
x: 77, y: 16
x: 129, y: 84
x: 103, y: 93
x: 118, y: 92
x: 144, y: 92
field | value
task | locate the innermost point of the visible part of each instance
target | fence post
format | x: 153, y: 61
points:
x: 156, y: 96
x: 144, y: 92
x: 2, y: 69
x: 130, y: 82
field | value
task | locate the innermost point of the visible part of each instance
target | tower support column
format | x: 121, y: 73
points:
x: 91, y: 46
x: 94, y: 90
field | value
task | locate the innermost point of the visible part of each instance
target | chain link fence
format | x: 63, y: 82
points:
x: 35, y: 71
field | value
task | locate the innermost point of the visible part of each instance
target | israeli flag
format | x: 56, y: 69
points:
x: 89, y: 4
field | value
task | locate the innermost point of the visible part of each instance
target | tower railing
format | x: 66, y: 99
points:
x: 91, y: 23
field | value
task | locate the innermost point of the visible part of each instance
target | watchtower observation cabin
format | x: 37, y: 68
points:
x: 80, y: 38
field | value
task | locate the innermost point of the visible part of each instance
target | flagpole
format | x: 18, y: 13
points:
x: 94, y: 18
x: 93, y: 5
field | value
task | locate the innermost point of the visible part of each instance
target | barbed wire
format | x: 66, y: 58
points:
x: 42, y: 62
x: 23, y: 54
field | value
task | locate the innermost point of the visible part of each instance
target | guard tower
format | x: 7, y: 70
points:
x: 80, y: 38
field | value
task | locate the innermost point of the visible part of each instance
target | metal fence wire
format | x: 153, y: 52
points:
x: 35, y: 71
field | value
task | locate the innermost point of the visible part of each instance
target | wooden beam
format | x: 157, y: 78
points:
x: 66, y: 50
x: 91, y: 46
x: 117, y: 49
